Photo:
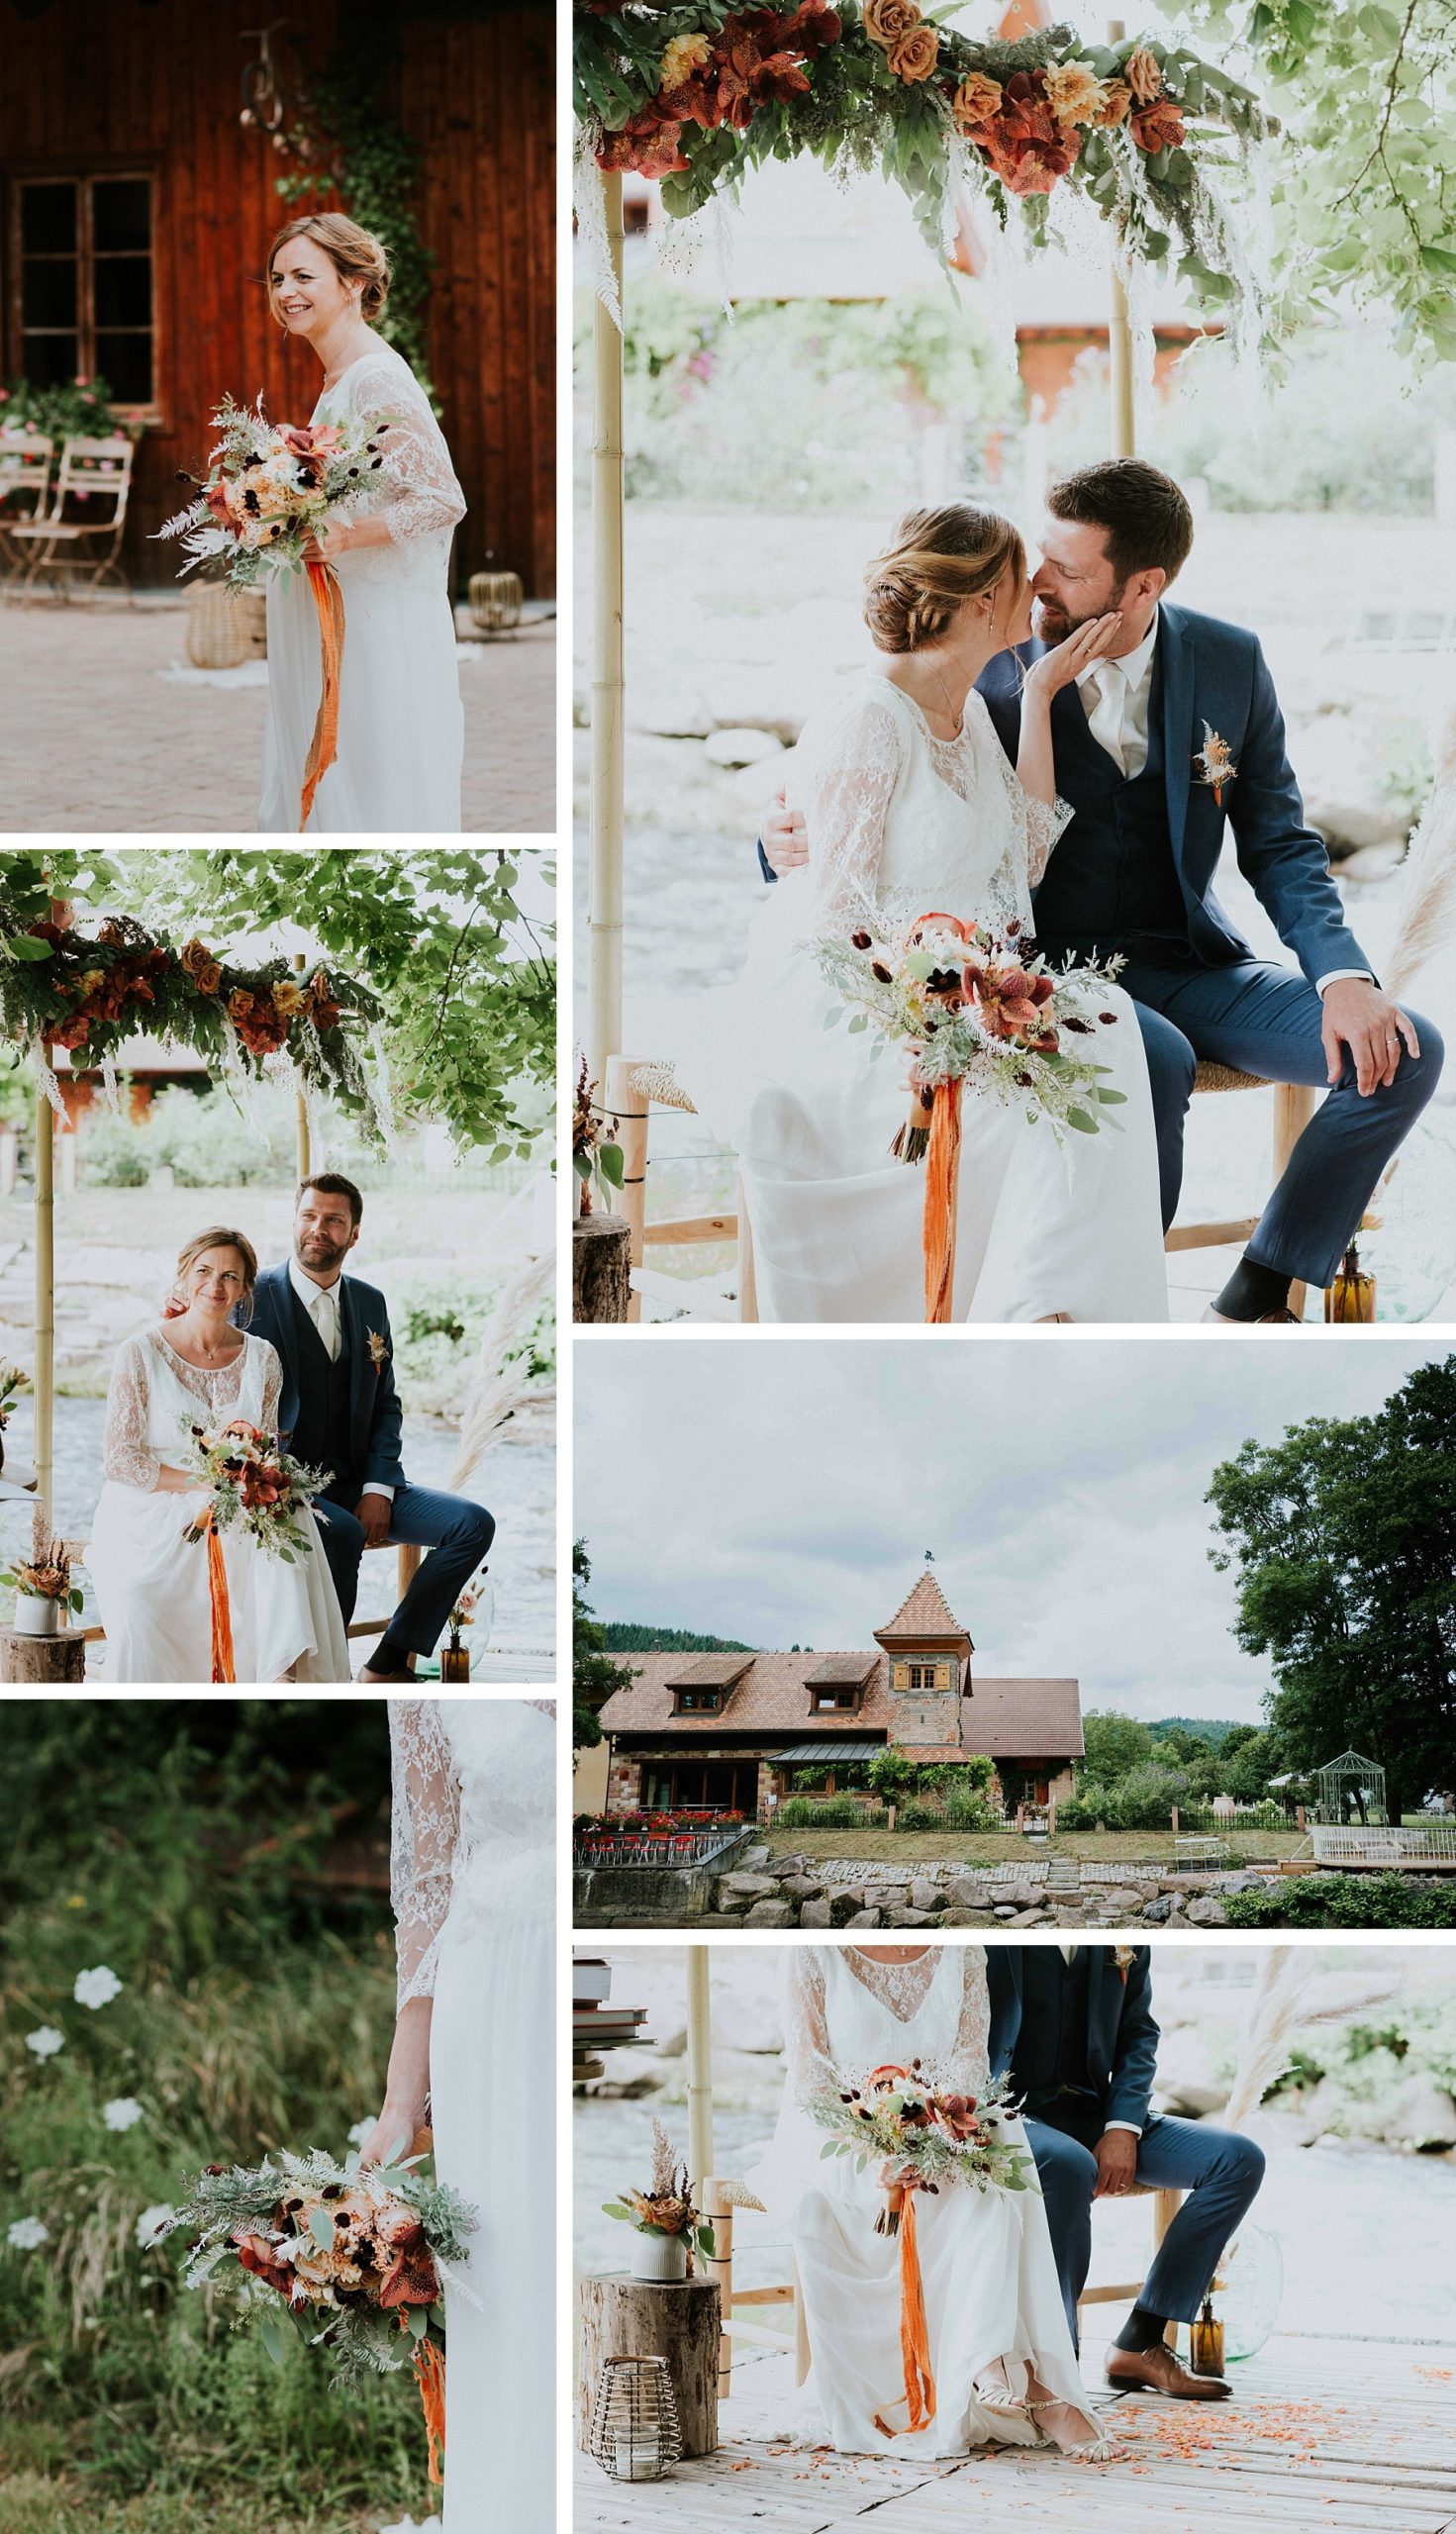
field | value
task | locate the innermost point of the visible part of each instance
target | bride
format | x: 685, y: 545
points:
x: 1001, y: 2353
x: 473, y: 1877
x: 197, y: 1368
x: 911, y: 808
x: 401, y: 728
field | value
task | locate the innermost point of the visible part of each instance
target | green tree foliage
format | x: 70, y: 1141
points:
x: 594, y: 1675
x: 1113, y: 1744
x: 1364, y: 164
x: 1343, y: 1540
x: 634, y: 1637
x: 1345, y: 1900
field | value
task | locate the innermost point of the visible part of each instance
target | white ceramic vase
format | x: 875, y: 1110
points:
x: 658, y: 2257
x: 36, y: 1615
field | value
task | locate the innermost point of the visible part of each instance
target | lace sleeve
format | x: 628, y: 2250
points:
x: 422, y: 494
x: 809, y: 2066
x: 1035, y: 827
x: 127, y: 1453
x: 272, y: 1385
x: 972, y: 2053
x: 846, y: 798
x: 425, y: 1826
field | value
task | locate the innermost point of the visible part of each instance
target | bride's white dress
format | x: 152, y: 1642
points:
x: 904, y: 823
x: 473, y: 1845
x: 400, y: 726
x: 152, y: 1584
x: 989, y: 2282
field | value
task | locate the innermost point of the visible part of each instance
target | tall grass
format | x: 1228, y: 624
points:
x: 256, y: 2013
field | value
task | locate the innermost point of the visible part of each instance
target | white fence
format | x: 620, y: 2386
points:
x: 1371, y: 1846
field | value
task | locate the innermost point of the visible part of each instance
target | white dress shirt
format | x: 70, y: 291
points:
x: 1068, y: 1953
x: 1114, y: 697
x: 322, y: 1303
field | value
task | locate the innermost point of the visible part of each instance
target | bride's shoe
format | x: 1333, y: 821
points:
x: 993, y: 2394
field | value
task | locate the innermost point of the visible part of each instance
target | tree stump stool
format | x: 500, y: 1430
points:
x: 43, y: 1660
x: 680, y: 2320
x: 601, y: 1267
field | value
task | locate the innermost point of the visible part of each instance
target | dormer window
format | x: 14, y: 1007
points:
x: 698, y: 1702
x: 833, y: 1702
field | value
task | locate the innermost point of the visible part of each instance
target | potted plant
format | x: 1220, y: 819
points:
x: 14, y: 1382
x: 667, y: 2224
x: 595, y: 1164
x: 476, y: 1601
x: 43, y: 1586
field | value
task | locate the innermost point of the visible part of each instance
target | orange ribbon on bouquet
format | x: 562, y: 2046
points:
x: 943, y: 1149
x: 324, y: 745
x: 430, y: 2376
x: 223, y: 1665
x: 915, y: 2338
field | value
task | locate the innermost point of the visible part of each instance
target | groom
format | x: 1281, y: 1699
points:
x: 1156, y: 748
x: 1072, y: 2026
x: 341, y: 1412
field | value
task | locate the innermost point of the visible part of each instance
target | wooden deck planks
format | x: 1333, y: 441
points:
x: 1322, y: 2435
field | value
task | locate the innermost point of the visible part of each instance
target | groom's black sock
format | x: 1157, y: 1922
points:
x: 1141, y: 2330
x: 389, y: 1657
x: 1252, y: 1291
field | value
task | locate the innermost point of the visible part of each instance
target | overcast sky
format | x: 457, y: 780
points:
x: 781, y: 1491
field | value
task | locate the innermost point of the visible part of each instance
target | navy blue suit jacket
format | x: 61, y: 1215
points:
x: 1122, y: 2036
x: 1217, y: 674
x: 374, y: 1411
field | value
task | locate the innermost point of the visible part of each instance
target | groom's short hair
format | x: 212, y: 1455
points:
x: 1143, y: 514
x: 332, y: 1182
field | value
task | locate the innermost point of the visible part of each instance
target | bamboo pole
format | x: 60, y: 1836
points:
x: 305, y: 1144
x: 700, y: 2067
x: 603, y: 909
x: 44, y: 1313
x: 1120, y: 340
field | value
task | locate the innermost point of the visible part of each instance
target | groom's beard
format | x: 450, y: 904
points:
x: 320, y: 1256
x: 1053, y: 626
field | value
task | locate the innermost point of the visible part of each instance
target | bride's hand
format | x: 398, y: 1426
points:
x: 1064, y: 663
x: 392, y: 2136
x: 330, y: 539
x: 911, y: 1052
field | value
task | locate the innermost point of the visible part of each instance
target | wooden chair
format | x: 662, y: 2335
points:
x: 92, y: 472
x: 1166, y: 2205
x: 25, y: 458
x: 634, y: 1083
x: 1293, y: 1107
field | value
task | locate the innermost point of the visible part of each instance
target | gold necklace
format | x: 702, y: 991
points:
x: 958, y: 720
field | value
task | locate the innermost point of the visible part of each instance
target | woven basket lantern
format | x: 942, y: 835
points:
x: 636, y: 2435
x: 222, y: 630
x: 496, y: 600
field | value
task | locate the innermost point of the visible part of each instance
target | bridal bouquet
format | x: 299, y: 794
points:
x: 354, y: 2259
x: 981, y: 1014
x: 924, y: 2137
x: 268, y: 487
x: 253, y: 1487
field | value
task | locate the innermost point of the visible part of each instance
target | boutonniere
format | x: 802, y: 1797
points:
x: 1213, y: 765
x: 1125, y: 1956
x: 379, y: 1354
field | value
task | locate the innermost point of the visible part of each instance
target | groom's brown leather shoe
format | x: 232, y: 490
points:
x: 1158, y: 2371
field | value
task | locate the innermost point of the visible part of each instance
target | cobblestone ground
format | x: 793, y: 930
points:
x: 94, y: 736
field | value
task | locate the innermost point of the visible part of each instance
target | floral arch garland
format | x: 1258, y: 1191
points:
x: 695, y: 94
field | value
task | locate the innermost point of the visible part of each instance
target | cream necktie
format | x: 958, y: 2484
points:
x: 324, y: 1310
x: 1108, y: 689
x: 1068, y: 1953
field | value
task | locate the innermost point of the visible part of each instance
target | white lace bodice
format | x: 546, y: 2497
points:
x: 155, y: 1394
x: 902, y: 823
x: 847, y: 2014
x: 472, y: 1839
x: 416, y: 490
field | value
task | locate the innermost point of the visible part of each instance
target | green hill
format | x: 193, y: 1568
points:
x: 1210, y: 1728
x: 632, y: 1636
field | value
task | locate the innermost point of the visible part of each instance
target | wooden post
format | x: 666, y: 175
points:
x: 719, y: 2265
x: 603, y: 911
x: 700, y: 2065
x: 679, y: 2320
x: 305, y: 1141
x: 1120, y: 340
x: 626, y: 1110
x: 44, y: 1313
x: 43, y: 1660
x: 601, y: 1268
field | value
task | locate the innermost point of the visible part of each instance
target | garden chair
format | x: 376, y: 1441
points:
x: 1166, y: 2205
x: 25, y: 480
x: 95, y: 477
x: 635, y: 1084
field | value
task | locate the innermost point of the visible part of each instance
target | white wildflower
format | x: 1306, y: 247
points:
x: 122, y: 2112
x: 46, y: 2041
x: 96, y: 1987
x: 27, y: 2235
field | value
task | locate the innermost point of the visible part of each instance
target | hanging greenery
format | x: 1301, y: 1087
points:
x: 349, y: 143
x: 695, y: 95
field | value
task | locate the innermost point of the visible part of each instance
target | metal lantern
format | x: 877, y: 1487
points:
x: 496, y: 600
x: 635, y: 2436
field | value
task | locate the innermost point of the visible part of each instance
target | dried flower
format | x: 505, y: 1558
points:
x: 913, y: 55
x: 1157, y: 127
x: 684, y: 56
x: 977, y: 100
x: 196, y: 963
x: 1075, y: 92
x: 1143, y: 73
x: 884, y: 21
x: 1025, y: 146
x: 1116, y: 103
x: 288, y: 999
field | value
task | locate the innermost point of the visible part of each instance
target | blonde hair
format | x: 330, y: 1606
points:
x: 220, y: 1236
x: 354, y: 253
x: 939, y: 559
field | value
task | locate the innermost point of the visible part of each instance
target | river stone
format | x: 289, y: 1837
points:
x: 815, y: 1914
x: 902, y: 1917
x: 770, y: 1914
x: 1206, y: 1914
x: 741, y: 746
x: 1157, y: 1912
x: 802, y: 1886
x: 964, y: 1892
x: 729, y: 1905
x: 969, y: 1918
x: 924, y: 1894
x: 864, y: 1919
x: 751, y: 1887
x: 1030, y: 1919
x: 843, y: 1907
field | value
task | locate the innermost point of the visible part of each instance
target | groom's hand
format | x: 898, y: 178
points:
x: 1116, y: 2163
x: 1356, y: 1014
x: 372, y: 1512
x: 784, y: 836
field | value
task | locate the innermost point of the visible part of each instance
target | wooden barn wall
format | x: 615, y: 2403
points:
x: 92, y: 84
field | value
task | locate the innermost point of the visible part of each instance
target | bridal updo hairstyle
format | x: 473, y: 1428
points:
x: 354, y: 253
x: 939, y: 559
x: 218, y: 1236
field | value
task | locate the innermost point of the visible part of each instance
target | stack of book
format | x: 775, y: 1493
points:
x: 596, y: 2024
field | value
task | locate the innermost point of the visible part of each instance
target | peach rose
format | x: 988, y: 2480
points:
x: 1116, y: 103
x: 1143, y: 73
x: 977, y: 100
x: 886, y: 20
x: 912, y: 56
